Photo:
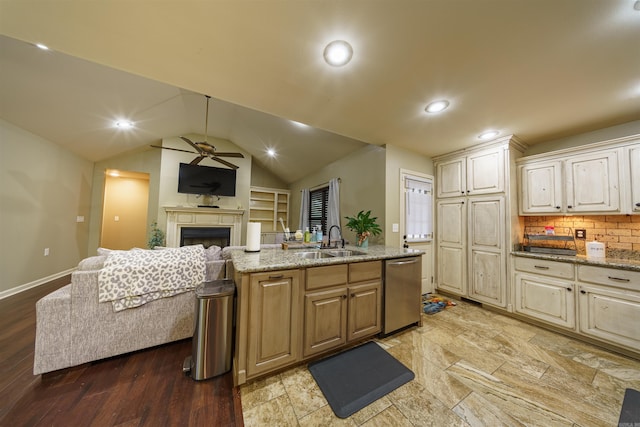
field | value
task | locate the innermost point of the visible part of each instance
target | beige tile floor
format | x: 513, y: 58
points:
x: 473, y: 367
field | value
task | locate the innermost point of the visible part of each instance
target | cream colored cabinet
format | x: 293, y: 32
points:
x: 593, y: 182
x: 540, y: 187
x: 488, y: 271
x: 609, y: 305
x: 274, y: 319
x: 343, y: 303
x: 477, y: 228
x: 544, y: 290
x: 634, y: 168
x: 480, y: 172
x: 452, y: 249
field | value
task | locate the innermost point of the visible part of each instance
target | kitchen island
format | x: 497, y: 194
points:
x: 298, y: 304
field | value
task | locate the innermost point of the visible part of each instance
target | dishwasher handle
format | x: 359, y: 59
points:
x: 411, y: 261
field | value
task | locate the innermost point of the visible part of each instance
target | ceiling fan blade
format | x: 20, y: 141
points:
x: 224, y: 162
x: 196, y: 160
x: 174, y: 149
x: 188, y: 141
x: 219, y: 154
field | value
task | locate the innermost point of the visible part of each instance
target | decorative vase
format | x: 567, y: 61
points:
x: 362, y: 241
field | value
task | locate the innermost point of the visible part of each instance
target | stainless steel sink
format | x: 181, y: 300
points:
x: 314, y: 255
x: 344, y: 252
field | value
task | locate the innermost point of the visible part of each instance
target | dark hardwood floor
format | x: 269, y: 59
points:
x: 145, y: 388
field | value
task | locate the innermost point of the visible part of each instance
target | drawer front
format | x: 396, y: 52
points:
x: 326, y: 276
x: 624, y: 279
x: 361, y: 271
x: 560, y: 270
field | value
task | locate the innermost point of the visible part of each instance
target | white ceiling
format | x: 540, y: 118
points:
x: 539, y: 69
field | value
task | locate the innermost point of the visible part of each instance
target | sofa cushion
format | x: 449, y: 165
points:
x: 213, y: 253
x: 92, y: 263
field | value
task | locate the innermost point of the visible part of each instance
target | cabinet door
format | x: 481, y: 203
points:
x: 365, y: 310
x: 593, y: 183
x: 540, y: 187
x: 610, y: 314
x: 325, y: 320
x: 487, y: 255
x: 546, y: 299
x: 485, y: 172
x: 451, y: 239
x: 634, y: 158
x: 451, y: 178
x: 274, y: 321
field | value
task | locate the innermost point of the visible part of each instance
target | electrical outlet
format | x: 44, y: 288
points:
x: 581, y: 233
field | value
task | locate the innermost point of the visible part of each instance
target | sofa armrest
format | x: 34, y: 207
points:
x: 215, y: 270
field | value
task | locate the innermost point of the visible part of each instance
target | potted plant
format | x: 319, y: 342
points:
x: 364, y: 225
x: 156, y: 237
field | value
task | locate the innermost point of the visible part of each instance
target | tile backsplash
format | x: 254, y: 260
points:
x: 620, y: 233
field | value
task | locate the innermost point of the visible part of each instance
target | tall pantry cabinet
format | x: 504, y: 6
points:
x: 477, y: 220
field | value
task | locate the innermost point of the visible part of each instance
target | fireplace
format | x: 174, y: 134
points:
x: 205, y: 220
x: 207, y: 236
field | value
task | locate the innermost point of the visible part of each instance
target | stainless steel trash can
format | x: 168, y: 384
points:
x: 212, y: 336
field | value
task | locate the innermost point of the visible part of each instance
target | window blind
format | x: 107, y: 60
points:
x: 318, y: 206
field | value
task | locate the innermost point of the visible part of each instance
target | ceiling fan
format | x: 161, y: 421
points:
x: 203, y: 148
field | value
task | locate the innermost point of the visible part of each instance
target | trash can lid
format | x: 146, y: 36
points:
x: 216, y: 288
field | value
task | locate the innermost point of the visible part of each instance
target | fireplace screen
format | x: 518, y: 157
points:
x: 207, y: 236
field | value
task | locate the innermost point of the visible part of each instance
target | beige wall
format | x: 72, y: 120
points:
x: 362, y: 185
x: 261, y: 177
x: 604, y: 134
x: 399, y: 158
x: 43, y: 188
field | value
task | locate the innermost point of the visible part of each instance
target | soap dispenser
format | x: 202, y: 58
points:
x: 319, y: 234
x: 313, y: 234
x: 307, y: 235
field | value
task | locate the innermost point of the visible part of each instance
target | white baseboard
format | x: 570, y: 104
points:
x: 42, y: 281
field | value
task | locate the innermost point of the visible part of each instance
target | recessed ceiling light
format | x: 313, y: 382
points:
x: 124, y: 124
x: 300, y: 125
x: 437, y: 106
x: 338, y: 53
x: 488, y: 134
x: 42, y: 46
x: 271, y: 152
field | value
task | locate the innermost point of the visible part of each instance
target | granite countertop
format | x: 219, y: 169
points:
x: 277, y: 259
x: 619, y: 263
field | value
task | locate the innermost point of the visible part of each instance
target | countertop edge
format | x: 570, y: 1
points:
x: 620, y: 264
x: 279, y: 259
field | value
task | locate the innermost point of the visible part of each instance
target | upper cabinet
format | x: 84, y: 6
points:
x: 633, y: 154
x: 476, y: 173
x: 594, y: 179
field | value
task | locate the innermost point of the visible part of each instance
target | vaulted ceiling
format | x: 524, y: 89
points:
x: 539, y: 69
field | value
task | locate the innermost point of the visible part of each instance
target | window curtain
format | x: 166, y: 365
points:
x: 304, y: 209
x: 418, y: 210
x: 333, y: 210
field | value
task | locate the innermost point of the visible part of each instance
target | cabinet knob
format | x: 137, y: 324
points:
x: 344, y: 297
x: 569, y: 207
x: 583, y: 292
x: 557, y: 207
x: 462, y: 192
x: 569, y: 289
x: 353, y: 295
x: 637, y: 205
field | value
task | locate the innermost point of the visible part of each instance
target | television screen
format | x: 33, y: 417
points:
x: 195, y: 179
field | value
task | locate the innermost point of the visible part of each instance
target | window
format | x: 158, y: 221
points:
x: 318, y: 207
x: 418, y: 196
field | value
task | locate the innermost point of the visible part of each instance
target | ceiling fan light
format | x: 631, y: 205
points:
x: 437, y: 106
x: 124, y: 124
x: 338, y: 53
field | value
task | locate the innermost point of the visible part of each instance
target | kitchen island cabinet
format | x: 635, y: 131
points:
x: 290, y: 308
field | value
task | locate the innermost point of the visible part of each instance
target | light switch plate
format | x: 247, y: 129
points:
x: 395, y: 228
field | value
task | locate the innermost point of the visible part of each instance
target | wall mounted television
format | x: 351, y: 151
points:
x: 206, y: 180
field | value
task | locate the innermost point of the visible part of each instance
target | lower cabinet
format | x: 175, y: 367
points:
x: 609, y: 305
x: 275, y: 316
x: 349, y: 309
x: 596, y: 302
x: 543, y: 292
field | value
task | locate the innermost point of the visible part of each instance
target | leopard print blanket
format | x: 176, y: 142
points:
x: 133, y: 278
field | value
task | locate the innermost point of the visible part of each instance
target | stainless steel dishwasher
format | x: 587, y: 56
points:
x: 402, y: 292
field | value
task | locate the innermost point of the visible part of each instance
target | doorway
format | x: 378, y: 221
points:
x: 125, y: 208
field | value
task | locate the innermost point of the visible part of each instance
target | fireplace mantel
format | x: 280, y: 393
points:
x: 178, y: 217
